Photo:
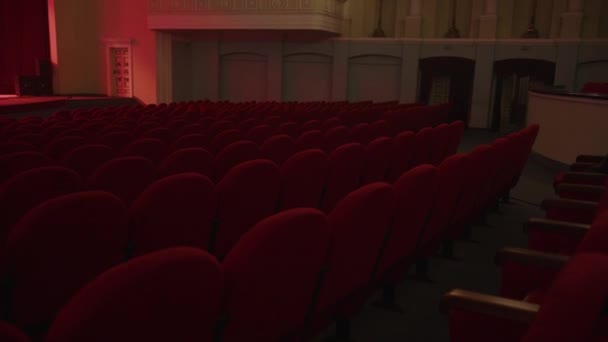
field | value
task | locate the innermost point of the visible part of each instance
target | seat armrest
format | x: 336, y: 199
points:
x: 586, y: 158
x: 562, y: 203
x: 530, y: 257
x: 582, y: 167
x: 510, y: 309
x: 583, y: 188
x: 577, y: 177
x: 541, y: 224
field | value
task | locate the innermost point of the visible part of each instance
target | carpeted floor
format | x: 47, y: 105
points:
x: 421, y: 320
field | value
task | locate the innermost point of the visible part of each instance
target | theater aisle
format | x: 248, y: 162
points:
x: 422, y: 321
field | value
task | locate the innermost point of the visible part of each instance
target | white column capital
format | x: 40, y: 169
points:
x: 489, y: 7
x: 415, y: 9
x: 575, y: 5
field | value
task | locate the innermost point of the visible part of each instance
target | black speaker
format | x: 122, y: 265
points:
x: 34, y: 86
x: 44, y: 68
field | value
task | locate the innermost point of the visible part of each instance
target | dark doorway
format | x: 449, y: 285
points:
x: 512, y: 79
x: 448, y: 79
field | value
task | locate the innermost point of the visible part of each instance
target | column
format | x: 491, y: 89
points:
x: 488, y: 20
x: 413, y: 21
x: 340, y: 71
x: 409, y: 72
x: 164, y: 64
x: 572, y: 20
x: 565, y: 64
x: 482, y: 86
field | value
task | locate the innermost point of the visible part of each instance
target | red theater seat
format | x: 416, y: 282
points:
x: 153, y: 149
x: 310, y: 140
x: 115, y: 139
x: 191, y: 140
x: 9, y: 333
x: 234, y: 154
x: 303, y: 179
x: 260, y: 133
x: 171, y: 295
x: 14, y: 163
x: 403, y: 154
x: 16, y: 146
x: 378, y: 158
x: 125, y: 177
x: 271, y: 274
x: 336, y: 137
x: 174, y: 211
x: 248, y: 193
x: 346, y: 165
x: 27, y: 189
x: 188, y: 160
x: 59, y: 246
x: 358, y: 224
x: 279, y: 148
x: 225, y: 138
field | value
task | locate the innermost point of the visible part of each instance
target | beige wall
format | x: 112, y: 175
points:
x: 83, y: 27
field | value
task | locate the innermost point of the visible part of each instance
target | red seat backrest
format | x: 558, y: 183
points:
x: 225, y: 138
x: 405, y: 145
x: 248, y: 193
x: 358, y: 224
x: 125, y: 177
x: 190, y: 140
x: 346, y: 165
x: 378, y: 157
x: 271, y: 274
x: 192, y: 159
x: 59, y: 246
x: 303, y: 179
x: 153, y: 149
x: 234, y: 154
x: 310, y: 140
x: 336, y: 137
x: 260, y: 133
x: 279, y: 148
x: 14, y: 163
x: 171, y: 295
x: 174, y: 211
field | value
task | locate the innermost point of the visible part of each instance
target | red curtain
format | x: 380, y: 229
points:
x: 24, y: 39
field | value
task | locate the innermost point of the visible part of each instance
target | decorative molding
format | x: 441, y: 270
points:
x: 316, y: 15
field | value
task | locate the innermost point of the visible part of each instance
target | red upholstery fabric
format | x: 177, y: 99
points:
x: 153, y: 149
x: 336, y: 137
x: 359, y: 225
x: 27, y: 189
x: 596, y: 87
x: 171, y: 295
x: 247, y: 194
x: 424, y: 145
x: 574, y: 302
x: 59, y: 246
x: 225, y: 138
x: 440, y: 136
x: 15, y: 146
x: 330, y: 123
x: 174, y: 211
x: 190, y: 140
x: 303, y: 179
x: 403, y: 154
x: 160, y: 133
x: 9, y: 333
x: 116, y: 139
x: 311, y: 125
x: 125, y: 177
x: 310, y: 140
x: 456, y: 130
x: 59, y: 147
x: 346, y: 164
x: 259, y: 134
x: 290, y: 128
x: 468, y: 326
x: 362, y: 133
x: 279, y: 148
x: 378, y: 157
x: 85, y: 159
x: 234, y: 154
x: 451, y: 175
x: 266, y: 299
x: 14, y: 163
x: 379, y: 129
x: 192, y: 159
x: 415, y: 193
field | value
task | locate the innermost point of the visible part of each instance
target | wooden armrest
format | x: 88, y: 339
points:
x: 515, y: 310
x: 568, y: 204
x: 586, y: 158
x: 595, y: 189
x: 540, y: 224
x: 572, y: 177
x: 531, y: 257
x: 582, y: 167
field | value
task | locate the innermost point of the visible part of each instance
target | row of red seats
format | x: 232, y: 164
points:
x: 310, y: 178
x: 596, y: 88
x: 556, y: 289
x: 272, y: 272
